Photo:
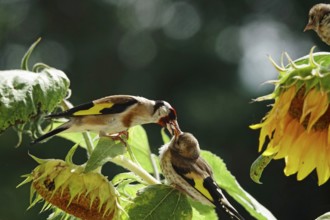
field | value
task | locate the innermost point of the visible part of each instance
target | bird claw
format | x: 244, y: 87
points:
x: 120, y: 136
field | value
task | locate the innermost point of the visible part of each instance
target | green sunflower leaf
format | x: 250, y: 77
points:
x: 127, y: 184
x: 229, y: 183
x: 160, y: 202
x: 325, y: 216
x: 165, y: 137
x: 103, y: 151
x: 202, y: 212
x: 24, y: 95
x: 138, y: 142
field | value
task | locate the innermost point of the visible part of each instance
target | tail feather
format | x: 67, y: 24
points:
x: 227, y: 210
x: 57, y: 115
x: 50, y: 134
x: 223, y: 207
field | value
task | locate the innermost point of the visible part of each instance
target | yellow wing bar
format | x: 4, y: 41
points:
x: 94, y: 110
x: 199, y: 184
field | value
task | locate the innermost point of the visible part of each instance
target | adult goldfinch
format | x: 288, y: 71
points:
x: 114, y: 114
x: 183, y: 168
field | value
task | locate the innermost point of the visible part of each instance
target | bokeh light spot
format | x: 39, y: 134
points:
x: 137, y: 50
x: 181, y: 21
x: 254, y: 66
x: 226, y: 46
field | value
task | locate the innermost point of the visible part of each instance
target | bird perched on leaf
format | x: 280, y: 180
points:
x: 319, y: 21
x: 183, y: 168
x: 114, y: 115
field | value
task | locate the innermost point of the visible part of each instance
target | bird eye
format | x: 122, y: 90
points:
x: 172, y: 114
x: 312, y: 17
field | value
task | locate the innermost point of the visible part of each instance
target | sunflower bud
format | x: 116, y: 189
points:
x: 297, y: 126
x: 65, y: 185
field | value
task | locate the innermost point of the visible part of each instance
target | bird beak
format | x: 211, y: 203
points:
x: 173, y: 128
x: 309, y: 26
x: 171, y: 125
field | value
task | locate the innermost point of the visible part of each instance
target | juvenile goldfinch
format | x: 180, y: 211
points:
x: 319, y: 21
x: 184, y: 169
x: 114, y: 115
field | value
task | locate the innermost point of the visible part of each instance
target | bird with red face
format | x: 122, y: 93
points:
x: 113, y: 115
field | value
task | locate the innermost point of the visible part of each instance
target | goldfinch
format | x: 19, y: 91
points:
x: 183, y: 168
x: 114, y: 115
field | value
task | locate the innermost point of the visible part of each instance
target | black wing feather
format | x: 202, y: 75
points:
x: 118, y: 108
x: 114, y: 109
x: 71, y: 111
x: 49, y: 134
x: 222, y: 208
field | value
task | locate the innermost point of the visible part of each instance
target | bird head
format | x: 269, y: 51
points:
x: 186, y: 146
x: 316, y: 15
x: 167, y: 117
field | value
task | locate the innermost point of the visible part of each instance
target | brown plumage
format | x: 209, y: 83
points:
x: 319, y: 21
x: 186, y: 170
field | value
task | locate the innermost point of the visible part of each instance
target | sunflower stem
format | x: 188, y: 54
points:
x: 89, y: 143
x: 129, y: 165
x: 131, y: 154
x: 154, y: 166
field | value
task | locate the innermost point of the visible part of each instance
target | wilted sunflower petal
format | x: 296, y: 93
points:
x: 66, y: 186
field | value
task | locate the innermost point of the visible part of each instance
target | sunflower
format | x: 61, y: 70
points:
x: 68, y: 190
x: 297, y: 127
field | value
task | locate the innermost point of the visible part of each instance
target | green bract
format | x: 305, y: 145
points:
x: 311, y: 71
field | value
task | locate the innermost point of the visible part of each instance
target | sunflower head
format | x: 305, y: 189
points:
x: 65, y: 185
x: 297, y: 127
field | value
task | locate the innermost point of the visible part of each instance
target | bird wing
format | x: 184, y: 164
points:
x: 196, y: 176
x: 199, y: 176
x: 107, y: 105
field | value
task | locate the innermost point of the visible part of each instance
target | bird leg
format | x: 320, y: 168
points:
x: 121, y: 136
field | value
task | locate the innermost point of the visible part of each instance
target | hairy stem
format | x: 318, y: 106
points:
x: 89, y: 143
x: 129, y: 165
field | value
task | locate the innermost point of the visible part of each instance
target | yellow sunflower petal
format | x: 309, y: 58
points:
x: 322, y: 167
x: 284, y: 102
x: 294, y: 154
x: 328, y: 135
x: 309, y: 154
x: 292, y: 132
x: 265, y: 131
x: 315, y: 104
x: 275, y: 144
x: 298, y: 125
x: 271, y: 149
x: 328, y: 156
x: 262, y: 138
x: 291, y: 167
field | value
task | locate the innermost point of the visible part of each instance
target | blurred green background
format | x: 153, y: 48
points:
x: 207, y: 58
